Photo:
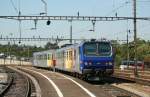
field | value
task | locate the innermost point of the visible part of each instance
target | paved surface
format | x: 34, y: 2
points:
x: 142, y: 90
x: 70, y: 88
x: 46, y: 88
x: 67, y: 87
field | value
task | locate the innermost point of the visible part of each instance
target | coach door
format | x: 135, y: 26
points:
x: 69, y: 59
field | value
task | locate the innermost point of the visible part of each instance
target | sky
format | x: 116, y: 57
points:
x: 110, y: 30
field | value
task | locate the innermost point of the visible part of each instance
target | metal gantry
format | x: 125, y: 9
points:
x: 135, y: 37
x: 72, y: 18
x: 46, y: 39
x: 38, y: 39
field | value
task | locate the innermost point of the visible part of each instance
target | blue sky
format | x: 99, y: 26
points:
x: 108, y: 30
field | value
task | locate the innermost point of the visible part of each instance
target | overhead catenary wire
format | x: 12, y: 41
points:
x: 139, y: 1
x: 117, y: 8
x: 143, y: 27
x: 19, y: 14
x: 13, y: 5
x: 143, y: 1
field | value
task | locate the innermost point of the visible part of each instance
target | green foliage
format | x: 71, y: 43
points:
x: 143, y: 51
x: 51, y: 46
x: 24, y: 50
x: 143, y: 48
x: 118, y: 60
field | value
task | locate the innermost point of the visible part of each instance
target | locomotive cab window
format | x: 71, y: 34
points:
x: 97, y: 49
x: 104, y: 49
x: 90, y: 49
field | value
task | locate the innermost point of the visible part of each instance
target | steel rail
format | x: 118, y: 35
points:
x: 28, y: 93
x: 3, y: 92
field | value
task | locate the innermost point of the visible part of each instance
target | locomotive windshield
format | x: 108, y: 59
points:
x: 97, y: 49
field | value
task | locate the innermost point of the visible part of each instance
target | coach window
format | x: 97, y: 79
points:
x: 37, y: 57
x: 59, y: 55
x: 67, y: 55
x: 48, y: 56
x: 70, y: 55
x: 74, y: 54
x: 45, y: 57
x: 40, y: 57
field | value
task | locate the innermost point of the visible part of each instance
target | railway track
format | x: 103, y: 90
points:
x: 54, y: 84
x: 18, y: 85
x: 71, y: 87
x: 8, y: 85
x: 142, y: 78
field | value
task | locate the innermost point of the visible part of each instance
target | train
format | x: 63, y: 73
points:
x: 85, y: 59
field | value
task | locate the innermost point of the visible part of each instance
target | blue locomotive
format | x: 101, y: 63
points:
x: 88, y: 58
x: 96, y: 58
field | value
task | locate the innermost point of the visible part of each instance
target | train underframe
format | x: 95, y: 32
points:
x: 89, y: 73
x: 93, y: 73
x: 86, y: 73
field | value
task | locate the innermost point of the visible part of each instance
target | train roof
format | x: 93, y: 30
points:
x: 50, y: 51
x: 67, y: 46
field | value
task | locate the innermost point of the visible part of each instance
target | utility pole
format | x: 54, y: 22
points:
x: 70, y: 31
x: 28, y: 52
x: 19, y: 14
x: 135, y: 37
x: 10, y: 48
x: 128, y: 31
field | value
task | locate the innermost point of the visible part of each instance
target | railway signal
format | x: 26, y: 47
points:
x: 48, y: 22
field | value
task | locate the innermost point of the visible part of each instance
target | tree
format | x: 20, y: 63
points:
x: 50, y: 45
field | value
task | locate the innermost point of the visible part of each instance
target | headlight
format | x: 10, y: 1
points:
x: 106, y: 63
x: 110, y: 63
x: 86, y: 63
x: 90, y: 63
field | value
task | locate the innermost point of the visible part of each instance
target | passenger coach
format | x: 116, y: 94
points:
x: 44, y: 59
